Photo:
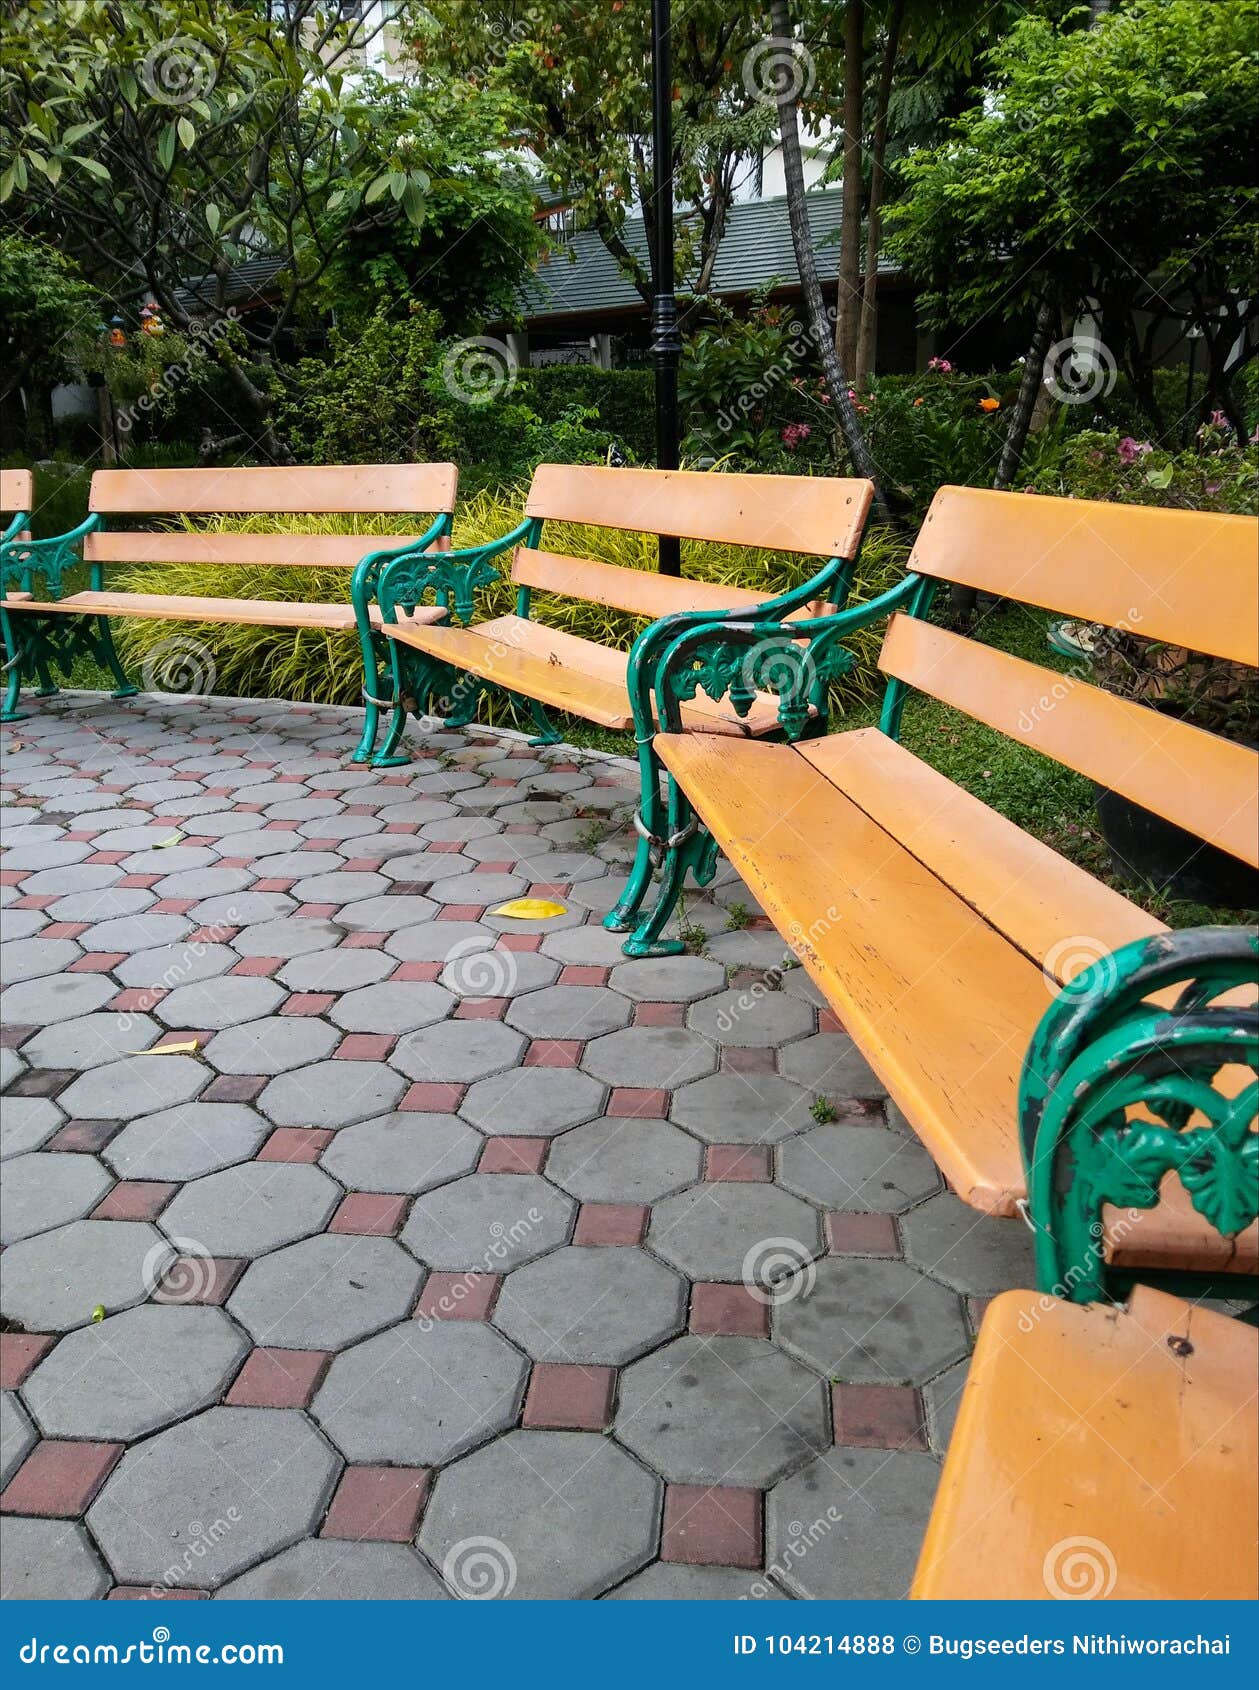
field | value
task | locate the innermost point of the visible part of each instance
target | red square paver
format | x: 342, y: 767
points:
x: 134, y: 1200
x: 295, y: 1144
x: 579, y: 974
x: 364, y: 941
x: 89, y: 1136
x: 316, y: 912
x: 737, y: 1162
x: 747, y: 1059
x: 258, y: 965
x: 731, y: 1309
x: 58, y: 1479
x: 457, y: 1296
x: 861, y: 1234
x: 519, y: 941
x: 481, y: 1009
x: 640, y: 1101
x: 19, y: 1353
x: 200, y: 1279
x: 13, y: 1036
x: 610, y: 1223
x: 41, y: 1082
x: 567, y: 1398
x: 234, y: 1088
x: 278, y: 1378
x: 554, y: 1053
x: 376, y: 1214
x: 712, y: 1526
x: 63, y: 929
x: 136, y: 999
x: 549, y: 889
x: 97, y: 962
x: 507, y: 1155
x: 417, y: 971
x: 434, y: 1097
x: 505, y: 865
x: 660, y: 1015
x: 308, y: 1003
x: 381, y: 1504
x: 461, y: 912
x: 828, y: 1022
x: 364, y: 1047
x: 976, y: 1309
x: 878, y: 1416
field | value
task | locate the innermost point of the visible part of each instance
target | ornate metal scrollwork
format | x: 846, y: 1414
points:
x: 403, y: 581
x: 742, y: 662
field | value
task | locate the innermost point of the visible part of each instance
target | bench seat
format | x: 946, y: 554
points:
x: 165, y: 607
x: 934, y: 927
x: 566, y: 672
x: 1100, y: 1450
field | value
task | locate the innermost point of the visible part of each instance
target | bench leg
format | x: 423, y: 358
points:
x: 689, y: 849
x: 462, y: 701
x: 373, y: 683
x: 108, y: 655
x: 548, y: 733
x: 14, y: 665
x: 386, y: 757
x: 623, y: 915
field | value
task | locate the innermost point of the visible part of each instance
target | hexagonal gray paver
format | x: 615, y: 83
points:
x: 127, y: 933
x: 743, y: 1108
x: 597, y: 1305
x: 726, y: 1230
x: 47, y: 1190
x: 860, y: 1515
x: 668, y: 979
x: 619, y: 1159
x: 649, y: 1056
x: 202, y: 1501
x: 48, y: 1561
x: 532, y: 1102
x: 872, y: 1322
x: 326, y: 1292
x: 550, y: 1536
x: 458, y: 1051
x: 831, y: 1064
x: 91, y: 1040
x: 135, y: 1372
x: 185, y: 1143
x: 420, y: 1392
x: 295, y: 936
x: 673, y: 1582
x: 17, y: 1435
x: 36, y: 959
x: 751, y: 1016
x: 488, y: 1223
x: 437, y: 941
x: 59, y: 997
x: 272, y: 1045
x: 331, y: 1094
x: 217, y: 1004
x: 721, y: 1411
x: 138, y: 1085
x: 403, y: 1153
x: 52, y: 1283
x: 591, y: 946
x: 569, y: 1012
x: 177, y: 965
x: 26, y: 1123
x: 253, y: 1207
x: 858, y: 1167
x: 387, y: 913
x: 393, y: 1007
x: 978, y: 1255
x: 325, y: 1569
x: 335, y: 971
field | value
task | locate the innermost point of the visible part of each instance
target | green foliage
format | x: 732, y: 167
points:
x: 750, y: 392
x: 563, y: 414
x: 1215, y: 475
x: 48, y: 314
x: 933, y: 429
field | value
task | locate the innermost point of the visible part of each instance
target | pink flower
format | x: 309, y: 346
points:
x: 795, y: 434
x: 1130, y: 450
x: 1218, y: 420
x: 940, y: 364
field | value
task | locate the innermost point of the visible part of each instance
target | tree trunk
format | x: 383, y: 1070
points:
x: 867, y: 332
x: 814, y: 304
x: 848, y: 299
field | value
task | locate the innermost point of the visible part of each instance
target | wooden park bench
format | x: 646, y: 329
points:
x: 549, y: 668
x: 942, y: 934
x: 46, y: 628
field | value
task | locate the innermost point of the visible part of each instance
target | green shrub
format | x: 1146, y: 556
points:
x: 623, y: 400
x: 1214, y: 475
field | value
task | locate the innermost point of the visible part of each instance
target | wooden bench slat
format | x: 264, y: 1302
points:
x: 573, y: 674
x: 1087, y: 1423
x: 638, y: 591
x: 17, y: 491
x: 263, y: 613
x: 1023, y: 888
x: 269, y: 551
x: 820, y: 515
x: 1188, y: 577
x: 1203, y: 783
x: 336, y: 487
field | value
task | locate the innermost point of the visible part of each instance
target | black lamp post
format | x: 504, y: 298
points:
x: 666, y: 342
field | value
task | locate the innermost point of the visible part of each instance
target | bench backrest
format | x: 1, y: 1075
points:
x: 1181, y: 577
x: 17, y: 492
x: 819, y: 515
x: 360, y: 489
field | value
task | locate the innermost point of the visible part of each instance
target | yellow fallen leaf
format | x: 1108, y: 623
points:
x: 163, y: 843
x: 98, y: 1314
x: 188, y: 1048
x: 529, y: 909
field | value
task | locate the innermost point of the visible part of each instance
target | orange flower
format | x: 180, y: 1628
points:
x: 917, y: 401
x: 990, y: 404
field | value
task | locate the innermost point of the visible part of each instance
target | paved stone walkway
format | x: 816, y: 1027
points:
x: 454, y: 1255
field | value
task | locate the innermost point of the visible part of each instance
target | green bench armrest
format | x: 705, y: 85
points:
x: 21, y: 560
x: 452, y: 577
